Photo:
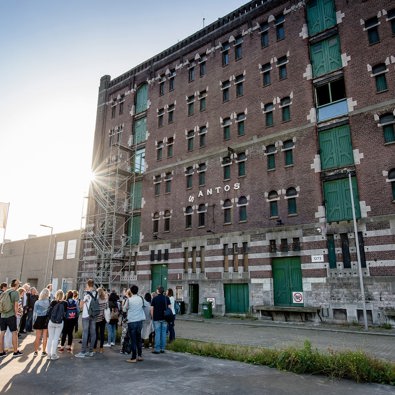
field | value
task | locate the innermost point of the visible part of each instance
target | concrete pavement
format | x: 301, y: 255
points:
x: 170, y: 373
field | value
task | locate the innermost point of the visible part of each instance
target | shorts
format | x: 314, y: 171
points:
x: 41, y: 322
x: 9, y: 322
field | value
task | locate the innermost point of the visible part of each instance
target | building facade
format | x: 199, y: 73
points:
x: 231, y: 166
x: 43, y: 260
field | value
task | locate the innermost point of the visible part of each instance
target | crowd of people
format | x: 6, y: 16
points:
x: 145, y: 322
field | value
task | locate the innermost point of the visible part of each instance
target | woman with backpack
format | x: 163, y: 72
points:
x: 70, y: 321
x: 57, y: 310
x: 40, y: 322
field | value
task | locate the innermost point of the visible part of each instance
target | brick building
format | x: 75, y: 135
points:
x: 225, y: 163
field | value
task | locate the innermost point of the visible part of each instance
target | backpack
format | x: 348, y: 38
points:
x: 94, y: 307
x: 71, y: 310
x: 5, y: 302
x: 177, y: 307
x: 57, y: 313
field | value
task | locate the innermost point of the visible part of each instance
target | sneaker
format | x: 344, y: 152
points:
x: 68, y: 349
x: 113, y: 344
x: 107, y: 345
x: 61, y: 349
x: 131, y: 360
x: 162, y: 351
x: 54, y: 356
x: 44, y: 354
x: 122, y: 352
x: 90, y: 354
x: 35, y: 353
x: 80, y: 355
x: 49, y: 357
x: 140, y: 359
x: 3, y: 354
x: 16, y: 354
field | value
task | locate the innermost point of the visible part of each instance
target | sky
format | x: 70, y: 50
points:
x: 53, y: 53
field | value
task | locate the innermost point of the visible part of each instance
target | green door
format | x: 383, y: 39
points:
x: 193, y: 298
x: 326, y: 56
x: 321, y: 15
x: 236, y: 298
x: 287, y: 278
x: 158, y: 276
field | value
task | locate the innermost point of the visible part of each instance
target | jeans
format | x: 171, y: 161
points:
x: 54, y: 331
x: 88, y: 328
x: 170, y: 328
x: 111, y: 329
x: 160, y: 335
x: 100, y: 327
x: 135, y: 335
x: 68, y: 332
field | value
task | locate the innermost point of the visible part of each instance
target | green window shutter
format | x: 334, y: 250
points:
x: 326, y: 56
x: 331, y: 251
x: 321, y: 15
x: 140, y: 129
x: 141, y: 98
x: 134, y: 229
x: 338, y: 200
x: 335, y: 147
x: 136, y: 195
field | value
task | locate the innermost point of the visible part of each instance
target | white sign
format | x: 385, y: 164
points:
x: 297, y: 297
x: 212, y: 300
x: 317, y: 258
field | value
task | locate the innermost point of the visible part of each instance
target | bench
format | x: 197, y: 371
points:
x: 288, y: 311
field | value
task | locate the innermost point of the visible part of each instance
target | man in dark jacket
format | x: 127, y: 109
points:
x: 158, y: 306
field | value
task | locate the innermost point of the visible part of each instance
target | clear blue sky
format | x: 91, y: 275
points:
x: 53, y: 54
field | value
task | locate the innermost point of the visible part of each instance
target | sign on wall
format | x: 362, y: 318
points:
x: 297, y: 297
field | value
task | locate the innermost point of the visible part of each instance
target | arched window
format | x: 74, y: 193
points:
x: 387, y: 121
x: 242, y: 204
x: 155, y: 222
x: 391, y: 177
x: 189, y: 174
x: 188, y: 217
x: 227, y: 211
x: 273, y: 199
x: 167, y: 221
x: 288, y: 147
x: 202, y: 215
x: 291, y: 199
x: 271, y: 160
x: 141, y: 98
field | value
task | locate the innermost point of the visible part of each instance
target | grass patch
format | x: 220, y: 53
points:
x: 353, y: 365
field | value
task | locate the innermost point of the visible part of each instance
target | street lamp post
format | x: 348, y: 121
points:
x: 49, y: 252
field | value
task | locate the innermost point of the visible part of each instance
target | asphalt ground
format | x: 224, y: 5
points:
x: 174, y: 373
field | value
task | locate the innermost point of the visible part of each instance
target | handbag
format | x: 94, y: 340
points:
x: 168, y: 314
x: 107, y: 314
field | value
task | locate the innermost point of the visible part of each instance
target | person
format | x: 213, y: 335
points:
x: 88, y: 323
x: 19, y: 316
x: 55, y: 328
x: 70, y: 321
x: 31, y: 300
x: 136, y: 316
x: 8, y: 320
x: 40, y: 321
x: 112, y: 325
x: 158, y: 307
x: 3, y: 287
x: 170, y: 324
x: 100, y: 320
x: 76, y: 297
x: 25, y: 307
x: 50, y: 289
x: 146, y: 332
x: 125, y: 339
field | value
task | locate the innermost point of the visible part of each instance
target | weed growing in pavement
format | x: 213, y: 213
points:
x: 353, y: 365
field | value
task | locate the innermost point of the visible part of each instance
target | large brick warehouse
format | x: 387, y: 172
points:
x: 253, y: 164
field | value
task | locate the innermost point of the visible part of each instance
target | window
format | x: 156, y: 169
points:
x: 372, y: 27
x: 202, y: 68
x: 136, y: 195
x: 345, y: 251
x: 172, y: 80
x: 391, y: 18
x: 268, y: 110
x: 155, y: 223
x: 168, y: 178
x: 191, y: 74
x: 266, y: 68
x: 202, y: 174
x: 225, y: 91
x: 190, y: 140
x: 201, y: 215
x: 141, y: 98
x: 71, y: 249
x: 225, y: 54
x: 330, y: 241
x: 239, y: 85
x: 331, y: 100
x: 378, y: 72
x: 59, y: 254
x: 285, y: 105
x: 121, y: 107
x: 272, y: 246
x: 166, y: 227
x: 226, y: 162
x: 270, y: 152
x: 290, y: 195
x: 241, y: 164
x: 387, y: 121
x: 202, y: 100
x: 161, y: 88
x: 264, y: 28
x: 161, y: 114
x: 189, y: 174
x: 273, y: 204
x: 284, y: 245
x: 188, y: 217
x: 238, y: 48
x: 202, y: 136
x: 170, y: 144
x: 191, y: 105
x: 288, y: 147
x: 279, y: 23
x: 170, y: 112
x: 321, y: 15
x: 139, y: 130
x: 227, y: 207
x: 226, y: 128
x: 113, y: 110
x: 326, y: 56
x: 159, y: 150
x: 282, y: 67
x: 391, y: 178
x: 242, y: 204
x: 240, y: 124
x: 157, y: 181
x: 139, y: 161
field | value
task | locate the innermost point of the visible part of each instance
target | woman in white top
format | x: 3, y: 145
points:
x: 170, y: 325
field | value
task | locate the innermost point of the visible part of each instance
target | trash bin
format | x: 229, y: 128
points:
x: 207, y: 310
